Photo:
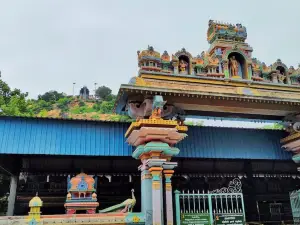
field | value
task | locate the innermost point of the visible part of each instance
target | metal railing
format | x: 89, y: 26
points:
x: 295, y: 205
x: 209, y: 205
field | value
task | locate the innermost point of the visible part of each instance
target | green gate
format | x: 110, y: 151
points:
x: 222, y: 206
x: 295, y: 205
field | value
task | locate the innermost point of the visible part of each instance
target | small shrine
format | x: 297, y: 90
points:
x: 34, y: 215
x: 81, y: 194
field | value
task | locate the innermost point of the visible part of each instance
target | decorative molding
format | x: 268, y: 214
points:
x: 235, y: 186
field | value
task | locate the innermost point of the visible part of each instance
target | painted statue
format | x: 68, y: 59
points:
x: 140, y: 107
x: 234, y: 67
x: 124, y: 207
x: 280, y: 77
x: 157, y: 107
x: 183, y: 65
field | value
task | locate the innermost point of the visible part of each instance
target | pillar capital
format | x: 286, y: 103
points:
x: 168, y: 172
x: 155, y: 170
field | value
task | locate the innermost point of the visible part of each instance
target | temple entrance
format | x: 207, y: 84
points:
x: 237, y: 59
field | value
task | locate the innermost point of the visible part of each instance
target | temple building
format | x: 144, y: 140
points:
x: 157, y: 154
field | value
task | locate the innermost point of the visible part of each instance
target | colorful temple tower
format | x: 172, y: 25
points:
x: 81, y: 194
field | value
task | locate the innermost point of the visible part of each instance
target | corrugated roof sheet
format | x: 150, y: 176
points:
x: 59, y: 137
x: 216, y: 142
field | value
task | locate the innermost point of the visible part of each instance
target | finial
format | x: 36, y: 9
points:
x: 36, y: 194
x: 150, y: 48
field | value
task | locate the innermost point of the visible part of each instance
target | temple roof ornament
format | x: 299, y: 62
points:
x: 224, y: 31
x: 226, y: 70
x: 149, y: 54
x: 183, y: 52
x: 165, y: 57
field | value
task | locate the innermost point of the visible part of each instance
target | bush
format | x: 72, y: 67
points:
x: 81, y: 103
x: 95, y: 117
x: 63, y: 103
x: 106, y: 107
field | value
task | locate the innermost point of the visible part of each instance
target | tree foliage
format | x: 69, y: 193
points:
x: 13, y: 102
x: 103, y: 92
x: 51, y: 96
x: 55, y: 104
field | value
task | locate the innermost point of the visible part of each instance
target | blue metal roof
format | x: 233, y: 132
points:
x: 59, y: 137
x: 233, y: 143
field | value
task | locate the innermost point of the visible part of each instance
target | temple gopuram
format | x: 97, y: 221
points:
x: 157, y: 170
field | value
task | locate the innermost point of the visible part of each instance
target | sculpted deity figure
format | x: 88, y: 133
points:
x: 234, y: 67
x: 280, y: 77
x: 183, y: 66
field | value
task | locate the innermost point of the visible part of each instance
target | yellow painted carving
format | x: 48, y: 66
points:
x: 162, y: 78
x: 155, y: 185
x: 168, y: 187
x: 290, y: 137
x: 136, y: 219
x: 154, y: 122
x: 140, y: 82
x: 146, y: 176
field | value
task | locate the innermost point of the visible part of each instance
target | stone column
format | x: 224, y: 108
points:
x: 146, y: 191
x: 274, y: 78
x: 226, y: 69
x: 12, y: 195
x: 220, y: 66
x: 169, y: 197
x: 157, y: 201
x: 175, y: 65
x: 249, y: 76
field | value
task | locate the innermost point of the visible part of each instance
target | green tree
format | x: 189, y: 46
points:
x: 13, y: 102
x: 36, y: 106
x: 51, y: 96
x: 106, y: 107
x: 103, y: 92
x: 63, y: 104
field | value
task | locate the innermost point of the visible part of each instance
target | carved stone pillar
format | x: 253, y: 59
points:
x: 12, y: 195
x: 146, y: 191
x: 157, y: 201
x: 274, y: 78
x: 226, y: 69
x: 175, y: 65
x: 249, y: 74
x: 169, y: 197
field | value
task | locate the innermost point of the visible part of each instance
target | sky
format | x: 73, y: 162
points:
x: 49, y: 44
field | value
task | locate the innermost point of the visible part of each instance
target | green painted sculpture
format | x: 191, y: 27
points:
x: 127, y: 206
